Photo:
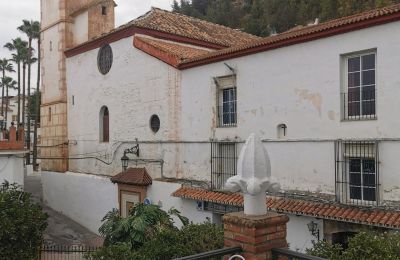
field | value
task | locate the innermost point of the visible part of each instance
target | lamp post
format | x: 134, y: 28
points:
x: 125, y: 159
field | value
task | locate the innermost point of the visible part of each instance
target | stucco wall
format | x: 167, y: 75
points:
x: 298, y: 85
x: 298, y: 235
x: 80, y: 28
x: 87, y: 198
x: 12, y: 168
x: 82, y: 197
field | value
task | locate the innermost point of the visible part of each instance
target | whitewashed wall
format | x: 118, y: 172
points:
x: 300, y: 86
x: 87, y: 198
x: 12, y: 167
x: 298, y: 236
x: 84, y: 198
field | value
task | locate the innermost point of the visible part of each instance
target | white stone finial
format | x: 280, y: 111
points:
x: 253, y: 177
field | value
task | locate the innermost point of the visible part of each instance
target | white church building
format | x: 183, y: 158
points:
x: 158, y: 109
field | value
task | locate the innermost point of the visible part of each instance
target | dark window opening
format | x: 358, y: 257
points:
x: 155, y: 123
x: 103, y: 10
x: 104, y: 125
x: 342, y: 238
x: 357, y: 172
x: 359, y: 98
x: 49, y: 114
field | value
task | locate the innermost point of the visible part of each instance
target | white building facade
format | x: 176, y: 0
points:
x: 321, y: 98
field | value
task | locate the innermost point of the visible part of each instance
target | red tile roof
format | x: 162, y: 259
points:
x: 333, y: 211
x: 308, y: 33
x: 133, y: 176
x: 169, y: 52
x: 190, y: 27
x: 172, y: 26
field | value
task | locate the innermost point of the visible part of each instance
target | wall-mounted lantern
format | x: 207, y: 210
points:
x: 313, y: 228
x: 125, y: 159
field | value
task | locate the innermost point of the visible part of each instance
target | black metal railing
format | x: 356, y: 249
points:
x: 359, y: 105
x: 223, y: 163
x: 65, y: 252
x: 215, y: 254
x: 227, y: 115
x: 286, y: 254
x: 357, y: 172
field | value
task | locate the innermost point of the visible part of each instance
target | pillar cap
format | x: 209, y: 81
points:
x: 240, y: 219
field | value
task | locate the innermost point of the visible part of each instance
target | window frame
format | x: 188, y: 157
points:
x: 223, y: 84
x: 102, y: 132
x: 345, y: 86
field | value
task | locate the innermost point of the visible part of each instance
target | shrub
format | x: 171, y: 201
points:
x: 22, y: 224
x: 148, y: 233
x: 364, y: 245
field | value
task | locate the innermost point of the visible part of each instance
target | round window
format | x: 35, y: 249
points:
x: 155, y: 123
x: 105, y: 59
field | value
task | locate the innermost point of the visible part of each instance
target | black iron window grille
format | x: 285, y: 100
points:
x: 226, y: 101
x: 357, y: 172
x: 359, y: 99
x: 223, y: 163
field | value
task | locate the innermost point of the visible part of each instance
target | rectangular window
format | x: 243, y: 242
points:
x: 357, y: 172
x: 104, y: 10
x: 223, y: 163
x: 226, y: 101
x: 359, y: 97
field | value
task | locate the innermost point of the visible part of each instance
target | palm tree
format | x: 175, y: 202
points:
x: 32, y: 31
x: 18, y: 45
x: 7, y: 82
x: 5, y: 65
x: 37, y: 112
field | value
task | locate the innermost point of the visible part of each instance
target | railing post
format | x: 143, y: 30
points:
x: 256, y: 235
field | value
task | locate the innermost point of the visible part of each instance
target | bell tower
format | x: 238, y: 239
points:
x: 64, y: 24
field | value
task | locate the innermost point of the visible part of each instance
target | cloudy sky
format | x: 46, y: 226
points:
x: 13, y: 12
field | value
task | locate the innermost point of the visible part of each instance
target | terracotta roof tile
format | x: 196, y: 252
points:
x: 180, y: 51
x: 182, y: 25
x: 347, y: 213
x: 307, y: 33
x: 133, y: 176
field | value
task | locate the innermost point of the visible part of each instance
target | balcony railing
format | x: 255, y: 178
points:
x: 359, y: 105
x: 283, y: 253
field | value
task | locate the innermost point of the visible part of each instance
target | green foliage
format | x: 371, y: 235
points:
x: 33, y: 101
x: 364, y: 245
x: 149, y: 233
x: 263, y: 17
x: 22, y: 224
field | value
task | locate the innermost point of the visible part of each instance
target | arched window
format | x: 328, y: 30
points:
x: 104, y: 125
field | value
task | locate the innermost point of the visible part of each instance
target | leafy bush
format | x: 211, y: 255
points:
x: 364, y: 245
x: 149, y: 233
x: 22, y: 224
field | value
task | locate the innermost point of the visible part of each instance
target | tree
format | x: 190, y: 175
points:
x: 364, y: 245
x: 12, y: 85
x: 22, y: 223
x: 18, y: 46
x: 5, y: 66
x: 32, y: 31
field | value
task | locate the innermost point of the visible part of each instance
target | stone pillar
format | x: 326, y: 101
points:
x: 256, y: 235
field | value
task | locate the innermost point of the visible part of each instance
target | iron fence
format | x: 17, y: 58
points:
x: 215, y: 254
x: 286, y: 254
x: 223, y: 163
x: 359, y: 104
x: 65, y: 252
x: 357, y: 172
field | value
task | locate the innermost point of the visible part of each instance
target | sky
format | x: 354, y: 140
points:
x: 13, y: 12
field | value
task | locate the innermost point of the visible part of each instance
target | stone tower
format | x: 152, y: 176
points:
x: 64, y: 24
